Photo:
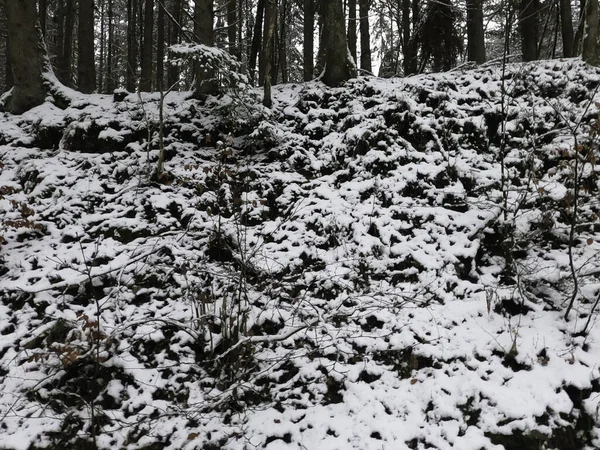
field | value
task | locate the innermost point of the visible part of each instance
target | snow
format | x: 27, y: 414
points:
x: 368, y: 219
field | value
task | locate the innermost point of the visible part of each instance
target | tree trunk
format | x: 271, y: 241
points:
x: 232, y: 28
x: 160, y: 49
x: 176, y: 9
x: 339, y: 67
x: 365, y: 37
x: 580, y: 26
x: 3, y: 49
x: 475, y: 33
x: 86, y: 69
x: 309, y: 40
x: 146, y: 74
x: 204, y: 30
x: 131, y: 45
x: 111, y: 81
x: 267, y: 53
x: 566, y: 22
x: 283, y: 40
x: 26, y: 56
x: 591, y: 46
x: 257, y: 43
x: 43, y: 13
x: 529, y: 29
x: 409, y: 42
x: 352, y: 28
x: 101, y: 72
x: 64, y: 47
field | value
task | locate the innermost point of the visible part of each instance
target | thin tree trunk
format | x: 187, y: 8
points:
x: 111, y: 79
x: 580, y: 26
x: 566, y: 22
x: 86, y: 69
x: 283, y: 38
x: 475, y: 33
x: 146, y: 75
x: 101, y: 61
x: 131, y: 45
x: 365, y: 37
x: 160, y: 49
x: 257, y: 44
x: 267, y: 53
x: 352, y: 28
x: 309, y: 40
x: 26, y: 56
x: 232, y: 27
x: 172, y: 71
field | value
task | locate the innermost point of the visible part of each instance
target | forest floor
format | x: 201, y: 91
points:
x: 385, y: 265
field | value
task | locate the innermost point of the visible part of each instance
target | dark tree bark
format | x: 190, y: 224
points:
x: 566, y: 26
x: 64, y: 47
x: 160, y: 49
x: 283, y: 40
x: 270, y: 15
x: 528, y: 21
x: 4, y: 69
x: 352, y: 28
x: 339, y: 67
x: 232, y: 19
x: 111, y: 81
x: 86, y: 69
x: 101, y: 72
x: 131, y: 45
x: 26, y: 56
x: 475, y: 33
x: 43, y: 12
x: 365, y: 36
x: 309, y: 40
x: 174, y: 33
x: 580, y: 26
x: 147, y: 43
x: 257, y: 43
x: 409, y: 42
x: 204, y: 30
x: 591, y: 46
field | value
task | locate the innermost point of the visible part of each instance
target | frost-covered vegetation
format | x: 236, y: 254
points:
x: 386, y: 264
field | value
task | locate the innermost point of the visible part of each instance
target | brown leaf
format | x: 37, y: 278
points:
x: 590, y: 241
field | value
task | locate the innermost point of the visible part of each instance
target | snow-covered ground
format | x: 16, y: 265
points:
x: 377, y: 266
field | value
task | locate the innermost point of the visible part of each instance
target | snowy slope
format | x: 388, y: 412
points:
x: 374, y: 266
